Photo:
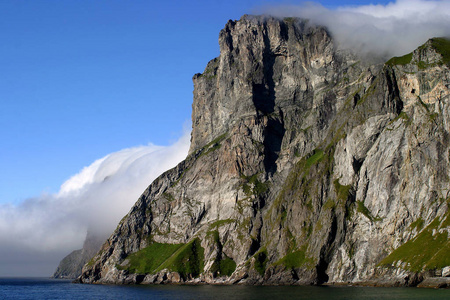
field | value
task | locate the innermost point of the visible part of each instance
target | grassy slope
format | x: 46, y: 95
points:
x: 186, y: 259
x: 429, y: 250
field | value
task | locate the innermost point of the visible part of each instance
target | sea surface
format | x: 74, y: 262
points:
x: 42, y: 288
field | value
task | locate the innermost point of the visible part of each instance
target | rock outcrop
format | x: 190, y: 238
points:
x: 307, y: 165
x: 70, y: 266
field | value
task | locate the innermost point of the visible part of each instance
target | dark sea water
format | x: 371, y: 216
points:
x: 39, y: 288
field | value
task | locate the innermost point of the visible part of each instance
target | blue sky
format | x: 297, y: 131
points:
x: 81, y: 79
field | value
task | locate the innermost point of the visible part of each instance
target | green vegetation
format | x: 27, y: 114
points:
x: 370, y: 91
x: 400, y: 60
x: 296, y: 259
x: 289, y: 20
x: 342, y: 191
x: 168, y: 196
x: 186, y: 259
x: 417, y: 224
x: 219, y: 223
x: 307, y: 229
x: 213, y: 145
x: 423, y: 104
x: 301, y: 183
x: 261, y: 261
x: 225, y: 266
x: 404, y: 116
x: 208, y: 148
x: 429, y: 250
x: 442, y: 46
x: 253, y: 186
x: 330, y: 204
x: 316, y: 157
x: 91, y: 262
x: 211, y: 69
x: 150, y: 258
x: 361, y: 208
x: 351, y: 251
x: 283, y: 215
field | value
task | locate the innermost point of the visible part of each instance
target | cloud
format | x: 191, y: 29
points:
x: 37, y: 233
x: 394, y: 29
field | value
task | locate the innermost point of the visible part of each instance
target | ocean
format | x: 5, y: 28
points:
x: 42, y: 288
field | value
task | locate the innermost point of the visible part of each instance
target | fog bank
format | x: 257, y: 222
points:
x: 37, y: 233
x: 394, y: 29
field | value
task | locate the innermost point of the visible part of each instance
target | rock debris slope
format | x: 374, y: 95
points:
x: 306, y: 166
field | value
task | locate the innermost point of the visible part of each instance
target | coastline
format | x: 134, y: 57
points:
x: 421, y: 282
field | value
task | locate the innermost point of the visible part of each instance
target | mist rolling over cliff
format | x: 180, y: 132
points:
x: 40, y: 231
x: 375, y: 31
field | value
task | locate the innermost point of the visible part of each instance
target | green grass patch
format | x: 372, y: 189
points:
x: 225, y: 266
x: 351, y: 251
x: 220, y: 223
x: 222, y: 265
x: 147, y: 260
x: 302, y: 182
x: 400, y: 60
x: 296, y: 259
x: 91, y: 262
x: 442, y: 46
x: 342, y: 191
x: 261, y: 261
x: 429, y: 250
x: 330, y: 204
x: 361, y: 208
x: 316, y: 157
x: 186, y: 259
x: 404, y: 116
x: 213, y: 145
x: 253, y: 186
x: 283, y: 215
x: 370, y: 91
x: 417, y: 224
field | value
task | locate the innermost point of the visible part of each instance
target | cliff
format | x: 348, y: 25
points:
x: 307, y: 165
x: 70, y: 266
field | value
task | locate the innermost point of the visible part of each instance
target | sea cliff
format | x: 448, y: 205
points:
x: 308, y: 165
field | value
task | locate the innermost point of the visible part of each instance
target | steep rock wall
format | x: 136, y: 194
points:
x: 306, y: 165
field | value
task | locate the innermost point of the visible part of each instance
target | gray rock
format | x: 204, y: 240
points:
x: 307, y: 165
x: 70, y: 266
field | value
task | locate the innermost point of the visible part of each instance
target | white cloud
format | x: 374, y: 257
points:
x: 42, y: 230
x: 388, y: 30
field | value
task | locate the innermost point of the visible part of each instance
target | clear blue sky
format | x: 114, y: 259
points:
x: 81, y: 79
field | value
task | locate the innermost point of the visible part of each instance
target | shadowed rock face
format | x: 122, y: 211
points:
x: 306, y: 165
x: 70, y: 266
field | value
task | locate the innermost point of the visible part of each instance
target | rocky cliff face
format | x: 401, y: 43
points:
x: 70, y: 266
x: 306, y: 165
